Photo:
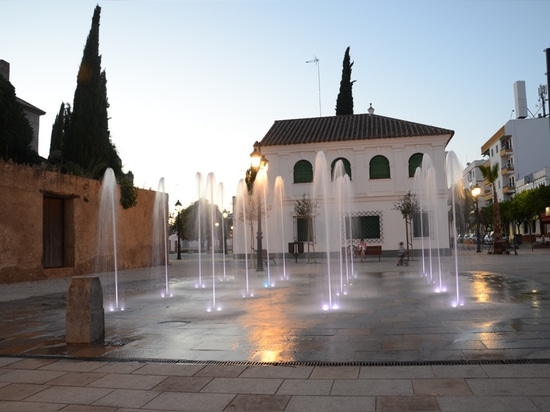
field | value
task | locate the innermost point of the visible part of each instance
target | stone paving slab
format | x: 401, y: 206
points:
x: 372, y: 388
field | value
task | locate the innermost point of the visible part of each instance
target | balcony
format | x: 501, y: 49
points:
x: 508, y: 190
x: 507, y: 169
x: 506, y: 151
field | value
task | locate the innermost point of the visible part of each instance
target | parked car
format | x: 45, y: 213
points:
x: 488, y: 239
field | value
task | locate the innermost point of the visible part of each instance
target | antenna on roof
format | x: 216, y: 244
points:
x: 316, y: 61
x: 543, y: 91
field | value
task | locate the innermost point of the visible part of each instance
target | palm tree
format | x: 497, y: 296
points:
x: 491, y: 174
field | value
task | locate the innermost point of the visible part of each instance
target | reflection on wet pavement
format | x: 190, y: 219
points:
x: 387, y: 315
x: 492, y: 287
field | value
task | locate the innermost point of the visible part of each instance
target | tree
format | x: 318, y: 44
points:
x: 196, y: 222
x: 15, y: 130
x: 491, y: 174
x: 60, y: 129
x: 305, y: 210
x: 408, y: 206
x: 87, y: 145
x: 528, y: 205
x: 344, y: 101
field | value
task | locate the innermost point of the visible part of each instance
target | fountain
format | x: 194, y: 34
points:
x: 332, y: 196
x: 221, y: 194
x: 429, y: 208
x: 453, y: 171
x: 242, y: 213
x: 425, y: 188
x: 262, y: 209
x: 106, y: 258
x: 198, y: 180
x: 279, y: 221
x: 343, y: 193
x: 210, y: 192
x: 159, y: 253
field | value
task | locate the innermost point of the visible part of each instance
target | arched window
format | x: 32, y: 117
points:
x: 303, y: 172
x: 415, y: 161
x: 345, y: 163
x: 379, y: 167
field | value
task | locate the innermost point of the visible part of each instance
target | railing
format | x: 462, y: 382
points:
x: 506, y: 151
x: 507, y: 168
x: 508, y: 189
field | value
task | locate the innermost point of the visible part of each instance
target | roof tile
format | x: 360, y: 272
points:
x: 345, y: 128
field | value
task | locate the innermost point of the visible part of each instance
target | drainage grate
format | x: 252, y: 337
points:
x: 291, y: 363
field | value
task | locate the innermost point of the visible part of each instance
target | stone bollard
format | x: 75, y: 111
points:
x: 85, y: 319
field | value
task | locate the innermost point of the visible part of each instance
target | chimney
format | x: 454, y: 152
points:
x: 5, y: 69
x: 521, y: 99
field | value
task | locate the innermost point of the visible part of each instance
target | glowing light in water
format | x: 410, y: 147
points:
x: 160, y: 238
x: 107, y: 230
x: 453, y: 171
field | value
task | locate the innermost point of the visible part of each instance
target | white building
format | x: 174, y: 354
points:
x: 32, y: 113
x: 472, y: 176
x: 380, y: 155
x: 521, y: 147
x: 534, y: 180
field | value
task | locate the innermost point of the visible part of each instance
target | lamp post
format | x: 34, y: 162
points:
x: 476, y: 191
x: 258, y: 163
x: 224, y: 231
x: 178, y: 208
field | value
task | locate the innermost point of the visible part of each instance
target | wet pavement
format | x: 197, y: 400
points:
x: 430, y: 338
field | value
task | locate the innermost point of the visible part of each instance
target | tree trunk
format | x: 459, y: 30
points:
x: 496, y: 216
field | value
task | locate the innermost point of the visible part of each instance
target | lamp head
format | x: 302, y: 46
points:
x: 258, y: 160
x: 476, y: 191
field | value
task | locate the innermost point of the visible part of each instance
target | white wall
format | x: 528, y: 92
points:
x: 369, y: 195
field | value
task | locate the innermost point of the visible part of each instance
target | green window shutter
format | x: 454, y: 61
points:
x: 379, y: 168
x: 415, y: 161
x: 303, y: 172
x: 347, y: 167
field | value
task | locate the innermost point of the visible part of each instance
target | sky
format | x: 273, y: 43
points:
x: 192, y: 84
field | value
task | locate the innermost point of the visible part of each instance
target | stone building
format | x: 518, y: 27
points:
x: 49, y: 224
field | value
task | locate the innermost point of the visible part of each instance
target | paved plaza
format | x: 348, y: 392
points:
x: 472, y: 334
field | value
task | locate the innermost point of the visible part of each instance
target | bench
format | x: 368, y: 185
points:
x: 374, y: 251
x: 371, y: 251
x: 271, y: 257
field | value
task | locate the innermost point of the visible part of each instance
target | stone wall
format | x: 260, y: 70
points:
x: 23, y: 190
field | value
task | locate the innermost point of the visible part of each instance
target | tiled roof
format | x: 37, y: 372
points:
x: 345, y: 128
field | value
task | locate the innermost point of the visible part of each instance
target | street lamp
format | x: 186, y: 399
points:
x: 178, y: 209
x: 224, y: 231
x: 476, y: 191
x: 258, y: 162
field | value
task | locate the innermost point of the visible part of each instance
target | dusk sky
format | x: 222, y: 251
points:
x: 193, y: 84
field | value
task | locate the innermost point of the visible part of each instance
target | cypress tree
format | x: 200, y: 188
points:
x: 87, y: 145
x: 344, y: 101
x: 60, y: 129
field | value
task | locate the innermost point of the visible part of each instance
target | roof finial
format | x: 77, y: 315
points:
x: 371, y: 109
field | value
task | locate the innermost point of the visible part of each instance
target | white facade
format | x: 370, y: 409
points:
x: 521, y: 147
x: 369, y: 196
x: 472, y: 176
x: 534, y: 180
